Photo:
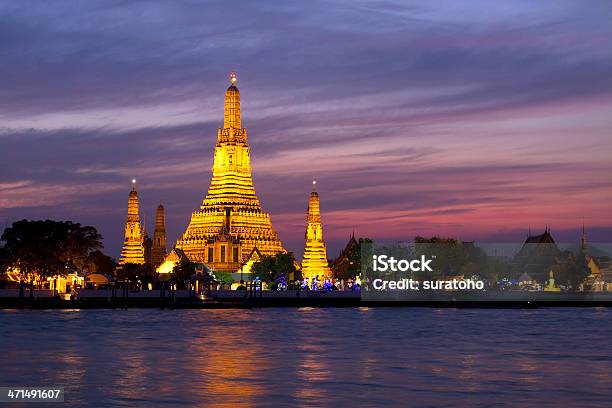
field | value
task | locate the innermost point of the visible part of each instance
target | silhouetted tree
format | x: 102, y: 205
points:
x: 128, y: 272
x: 46, y: 248
x: 182, y: 273
x: 270, y: 267
x: 573, y: 270
x: 224, y: 278
x: 97, y: 262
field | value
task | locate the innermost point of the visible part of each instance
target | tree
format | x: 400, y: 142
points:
x: 182, y: 272
x: 128, y: 272
x: 4, y: 264
x: 264, y: 268
x: 78, y: 243
x: 271, y: 267
x: 97, y: 262
x: 448, y: 255
x: 573, y: 270
x: 41, y: 249
x: 224, y: 277
x: 147, y: 275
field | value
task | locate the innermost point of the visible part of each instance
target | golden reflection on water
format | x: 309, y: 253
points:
x: 530, y: 370
x: 133, y: 374
x: 226, y: 364
x: 70, y: 372
x: 312, y: 372
x: 70, y: 368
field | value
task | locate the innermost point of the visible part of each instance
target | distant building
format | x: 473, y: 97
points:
x: 602, y: 281
x: 600, y: 267
x: 526, y: 282
x: 538, y: 255
x: 347, y: 264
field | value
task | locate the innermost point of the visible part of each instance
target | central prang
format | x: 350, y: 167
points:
x: 230, y: 231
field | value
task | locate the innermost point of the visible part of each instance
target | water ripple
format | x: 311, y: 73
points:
x: 313, y: 357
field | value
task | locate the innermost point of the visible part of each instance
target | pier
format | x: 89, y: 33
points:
x: 122, y: 298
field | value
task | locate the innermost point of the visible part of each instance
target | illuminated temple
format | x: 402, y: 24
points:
x: 230, y: 230
x: 314, y: 262
x: 133, y: 249
x: 158, y: 250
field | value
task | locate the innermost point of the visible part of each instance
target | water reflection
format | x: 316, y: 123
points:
x: 313, y: 357
x: 227, y: 361
x: 312, y: 372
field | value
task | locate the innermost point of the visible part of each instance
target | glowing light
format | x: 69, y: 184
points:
x: 314, y: 182
x: 133, y: 250
x: 231, y: 186
x: 166, y: 267
x: 314, y: 261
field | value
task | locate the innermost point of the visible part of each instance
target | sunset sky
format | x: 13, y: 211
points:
x: 475, y: 120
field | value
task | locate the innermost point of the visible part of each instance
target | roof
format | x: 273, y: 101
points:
x: 544, y: 238
x: 351, y: 245
x: 176, y: 255
x: 97, y: 278
x: 255, y: 255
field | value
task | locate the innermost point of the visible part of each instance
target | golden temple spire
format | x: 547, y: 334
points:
x: 133, y: 250
x: 314, y: 210
x: 231, y: 114
x: 230, y: 223
x: 314, y: 262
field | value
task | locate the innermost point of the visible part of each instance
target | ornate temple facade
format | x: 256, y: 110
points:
x: 133, y: 249
x: 314, y: 262
x: 158, y: 249
x: 230, y: 225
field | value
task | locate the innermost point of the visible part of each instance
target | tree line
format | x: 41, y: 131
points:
x: 46, y: 248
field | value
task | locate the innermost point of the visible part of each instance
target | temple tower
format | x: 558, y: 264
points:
x: 158, y: 251
x: 230, y: 223
x: 133, y: 250
x: 314, y: 262
x: 584, y: 244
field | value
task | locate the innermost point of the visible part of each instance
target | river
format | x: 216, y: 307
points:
x: 313, y: 357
